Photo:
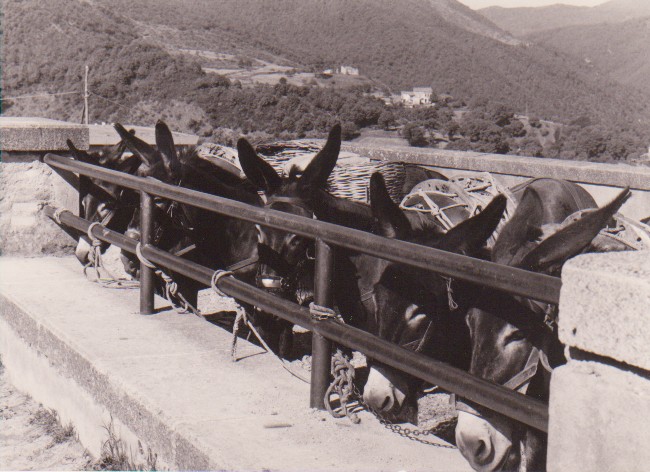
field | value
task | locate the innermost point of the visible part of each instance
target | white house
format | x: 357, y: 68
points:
x: 348, y: 70
x: 419, y: 96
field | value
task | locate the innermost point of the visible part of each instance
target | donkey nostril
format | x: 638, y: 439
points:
x: 482, y: 452
x: 386, y: 404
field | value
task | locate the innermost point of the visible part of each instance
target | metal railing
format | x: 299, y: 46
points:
x: 327, y: 236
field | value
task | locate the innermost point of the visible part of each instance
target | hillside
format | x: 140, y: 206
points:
x: 528, y: 20
x: 400, y: 44
x: 618, y: 50
x: 46, y: 45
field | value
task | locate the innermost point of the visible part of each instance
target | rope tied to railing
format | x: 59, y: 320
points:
x: 214, y: 280
x: 57, y: 215
x: 103, y: 277
x: 171, y: 293
x: 342, y: 386
x: 322, y: 313
x: 241, y: 319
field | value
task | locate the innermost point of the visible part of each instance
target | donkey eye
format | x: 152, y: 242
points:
x: 514, y: 336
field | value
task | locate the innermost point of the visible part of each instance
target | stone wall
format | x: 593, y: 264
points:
x: 600, y: 399
x: 27, y: 185
x: 602, y: 181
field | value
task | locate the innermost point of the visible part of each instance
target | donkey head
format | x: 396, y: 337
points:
x: 163, y: 164
x: 285, y: 258
x: 101, y: 201
x: 414, y: 308
x: 511, y: 336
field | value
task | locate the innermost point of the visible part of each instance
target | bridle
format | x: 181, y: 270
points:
x: 537, y: 357
x: 288, y: 280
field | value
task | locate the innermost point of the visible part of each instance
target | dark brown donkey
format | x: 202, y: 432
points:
x: 286, y: 259
x: 514, y: 341
x: 209, y: 238
x: 103, y: 202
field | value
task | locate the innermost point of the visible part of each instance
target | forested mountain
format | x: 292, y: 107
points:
x: 526, y: 20
x: 402, y: 44
x: 145, y: 63
x: 621, y: 51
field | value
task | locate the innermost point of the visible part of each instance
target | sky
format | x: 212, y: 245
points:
x: 527, y: 3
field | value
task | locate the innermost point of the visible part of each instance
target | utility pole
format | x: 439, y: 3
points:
x: 86, y: 97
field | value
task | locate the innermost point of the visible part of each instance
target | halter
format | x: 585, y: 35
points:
x: 518, y: 382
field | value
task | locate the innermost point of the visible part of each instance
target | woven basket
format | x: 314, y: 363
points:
x: 349, y: 179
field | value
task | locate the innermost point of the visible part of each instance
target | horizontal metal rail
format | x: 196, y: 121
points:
x: 507, y: 279
x: 512, y: 404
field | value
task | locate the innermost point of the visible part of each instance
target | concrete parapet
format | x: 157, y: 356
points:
x: 600, y: 399
x: 26, y: 184
x: 598, y: 419
x: 604, y: 306
x: 39, y: 135
x: 168, y: 381
x: 619, y: 175
x: 26, y: 187
x: 602, y: 181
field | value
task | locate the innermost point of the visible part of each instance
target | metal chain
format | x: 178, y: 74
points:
x: 416, y: 435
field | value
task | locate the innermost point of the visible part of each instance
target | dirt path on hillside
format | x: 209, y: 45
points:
x: 31, y: 438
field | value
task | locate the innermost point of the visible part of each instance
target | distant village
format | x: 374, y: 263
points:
x: 419, y: 96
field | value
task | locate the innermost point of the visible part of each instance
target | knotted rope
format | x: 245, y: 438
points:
x: 342, y: 386
x: 171, y: 293
x: 241, y: 319
x: 103, y: 277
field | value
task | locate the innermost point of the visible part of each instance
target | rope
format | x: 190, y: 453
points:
x: 342, y: 386
x: 321, y: 313
x: 57, y: 215
x: 453, y: 306
x: 143, y: 260
x: 96, y: 263
x: 216, y: 276
x: 171, y: 293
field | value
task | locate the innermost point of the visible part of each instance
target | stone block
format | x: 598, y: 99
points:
x: 598, y: 419
x: 604, y: 306
x: 39, y: 135
x: 25, y: 188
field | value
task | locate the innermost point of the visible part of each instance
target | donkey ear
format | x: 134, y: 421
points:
x: 469, y: 236
x: 80, y: 155
x: 128, y: 165
x: 166, y: 147
x: 572, y: 239
x: 147, y: 154
x: 258, y: 171
x: 523, y: 227
x: 321, y: 166
x: 393, y: 223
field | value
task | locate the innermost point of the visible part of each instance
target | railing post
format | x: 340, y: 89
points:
x: 321, y: 347
x: 147, y: 276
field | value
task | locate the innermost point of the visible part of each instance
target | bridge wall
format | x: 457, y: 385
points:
x: 602, y: 181
x: 601, y: 398
x: 27, y: 184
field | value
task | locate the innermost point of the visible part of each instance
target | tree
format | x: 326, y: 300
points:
x: 414, y: 135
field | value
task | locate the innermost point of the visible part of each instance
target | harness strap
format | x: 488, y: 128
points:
x: 243, y: 264
x: 520, y: 381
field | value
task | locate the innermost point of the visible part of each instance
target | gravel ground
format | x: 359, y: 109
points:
x: 32, y: 438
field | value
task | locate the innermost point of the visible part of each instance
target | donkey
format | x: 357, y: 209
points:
x: 514, y: 342
x: 209, y: 238
x: 285, y: 259
x: 415, y: 308
x: 103, y: 202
